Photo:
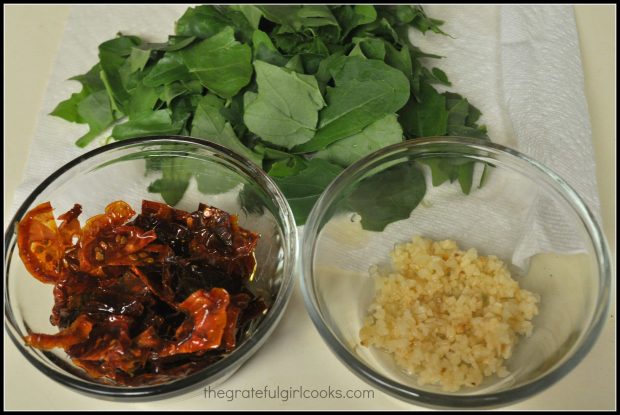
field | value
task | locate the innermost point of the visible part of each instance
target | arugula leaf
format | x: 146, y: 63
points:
x: 328, y: 67
x: 154, y: 123
x: 473, y: 116
x: 95, y: 109
x: 350, y: 17
x: 272, y: 153
x: 183, y: 108
x: 357, y: 51
x: 440, y: 170
x: 294, y: 18
x: 288, y: 166
x: 178, y: 88
x: 457, y: 107
x: 381, y: 27
x: 142, y: 101
x: 205, y: 21
x: 306, y: 46
x: 436, y: 76
x: 465, y: 131
x: 222, y: 64
x: 466, y: 176
x: 283, y: 15
x: 168, y: 69
x: 131, y: 79
x: 486, y: 171
x: 210, y: 124
x: 423, y: 23
x: 295, y: 64
x: 118, y: 48
x: 316, y: 16
x: 213, y: 178
x: 388, y: 196
x: 89, y: 106
x: 333, y: 83
x: 441, y: 76
x: 233, y: 113
x: 201, y: 22
x: 112, y: 55
x: 450, y: 168
x: 251, y: 13
x: 399, y: 59
x: 239, y: 21
x: 91, y: 81
x: 138, y: 59
x: 303, y: 188
x: 372, y: 48
x: 174, y: 181
x: 427, y: 118
x: 285, y: 110
x: 264, y: 50
x: 68, y: 109
x: 379, y: 134
x: 462, y: 117
x: 174, y: 43
x: 366, y: 90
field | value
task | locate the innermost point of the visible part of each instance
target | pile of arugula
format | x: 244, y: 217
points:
x: 302, y: 91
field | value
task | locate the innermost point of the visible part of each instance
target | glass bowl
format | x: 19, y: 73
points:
x: 524, y: 214
x: 217, y: 177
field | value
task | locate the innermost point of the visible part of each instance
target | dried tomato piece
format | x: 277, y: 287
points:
x: 74, y: 334
x: 184, y: 278
x: 221, y: 242
x: 168, y: 224
x: 148, y: 339
x: 69, y: 231
x: 207, y: 321
x: 116, y: 214
x: 119, y: 212
x: 147, y: 300
x: 238, y: 303
x: 39, y: 247
x: 98, y: 230
x: 127, y: 296
x: 69, y: 294
x: 229, y: 337
x: 111, y: 347
x: 156, y: 285
x: 121, y: 245
x: 158, y: 210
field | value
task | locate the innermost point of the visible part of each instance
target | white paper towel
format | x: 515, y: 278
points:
x: 520, y: 65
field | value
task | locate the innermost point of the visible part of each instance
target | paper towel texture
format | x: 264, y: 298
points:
x: 520, y: 65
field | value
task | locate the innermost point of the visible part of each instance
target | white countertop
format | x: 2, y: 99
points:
x: 32, y: 36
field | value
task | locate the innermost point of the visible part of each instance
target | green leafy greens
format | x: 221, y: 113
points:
x: 303, y: 91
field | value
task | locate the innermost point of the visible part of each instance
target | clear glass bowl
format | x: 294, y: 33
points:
x: 524, y: 214
x: 117, y: 171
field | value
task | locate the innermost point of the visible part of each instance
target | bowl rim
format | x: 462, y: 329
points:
x: 212, y: 372
x: 431, y: 399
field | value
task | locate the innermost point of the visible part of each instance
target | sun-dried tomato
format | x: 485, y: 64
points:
x: 204, y: 328
x: 39, y: 245
x: 147, y: 300
x: 78, y: 332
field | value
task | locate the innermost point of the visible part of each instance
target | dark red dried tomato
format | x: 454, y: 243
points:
x: 147, y: 300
